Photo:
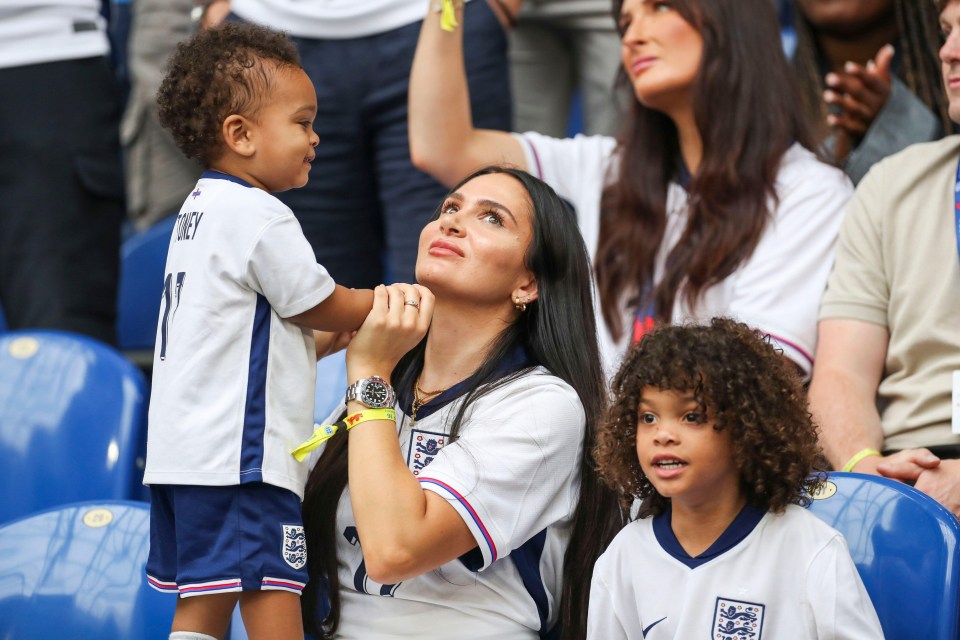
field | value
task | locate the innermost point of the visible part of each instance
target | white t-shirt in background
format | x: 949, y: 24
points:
x: 777, y: 290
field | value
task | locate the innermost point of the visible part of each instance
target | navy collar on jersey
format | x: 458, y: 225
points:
x: 219, y: 175
x: 684, y: 177
x: 745, y: 522
x: 513, y: 362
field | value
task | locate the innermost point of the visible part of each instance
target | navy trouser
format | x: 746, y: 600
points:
x: 366, y: 203
x: 61, y: 196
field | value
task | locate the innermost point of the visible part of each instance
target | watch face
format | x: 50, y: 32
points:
x: 375, y: 393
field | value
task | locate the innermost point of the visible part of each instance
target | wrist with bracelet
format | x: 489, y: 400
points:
x: 374, y: 393
x: 856, y: 458
x: 448, y: 13
x: 326, y: 431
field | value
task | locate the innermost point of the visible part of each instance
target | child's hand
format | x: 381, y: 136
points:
x: 329, y: 342
x: 399, y: 319
x: 858, y: 94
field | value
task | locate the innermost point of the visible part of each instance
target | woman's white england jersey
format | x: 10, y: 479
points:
x: 513, y: 475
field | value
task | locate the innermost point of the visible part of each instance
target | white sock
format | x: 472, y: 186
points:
x: 189, y: 635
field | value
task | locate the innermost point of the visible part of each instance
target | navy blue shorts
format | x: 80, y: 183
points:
x: 246, y: 537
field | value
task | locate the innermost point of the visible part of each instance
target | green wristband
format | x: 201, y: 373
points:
x: 858, y: 456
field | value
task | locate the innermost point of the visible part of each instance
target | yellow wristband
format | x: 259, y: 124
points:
x: 326, y: 431
x: 858, y: 456
x: 369, y: 414
x: 448, y: 15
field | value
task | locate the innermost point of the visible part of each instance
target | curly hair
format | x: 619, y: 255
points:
x: 218, y: 72
x: 739, y: 379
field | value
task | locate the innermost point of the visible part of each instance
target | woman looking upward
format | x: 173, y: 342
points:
x: 709, y: 202
x: 458, y: 514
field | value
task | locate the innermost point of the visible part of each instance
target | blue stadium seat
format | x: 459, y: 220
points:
x: 331, y: 384
x: 143, y: 257
x: 72, y: 419
x: 905, y: 546
x: 77, y: 573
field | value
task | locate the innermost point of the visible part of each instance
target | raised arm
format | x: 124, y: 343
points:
x: 404, y: 530
x: 843, y: 391
x: 443, y: 141
x: 344, y: 310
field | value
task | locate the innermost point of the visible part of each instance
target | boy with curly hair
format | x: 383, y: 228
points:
x: 709, y: 429
x: 235, y: 361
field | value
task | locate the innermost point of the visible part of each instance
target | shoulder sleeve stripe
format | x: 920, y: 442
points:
x: 793, y: 346
x: 473, y: 514
x: 532, y: 149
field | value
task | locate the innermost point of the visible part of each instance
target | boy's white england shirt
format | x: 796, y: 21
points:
x: 233, y: 382
x: 768, y: 577
x: 513, y: 475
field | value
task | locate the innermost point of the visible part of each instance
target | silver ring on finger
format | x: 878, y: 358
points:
x: 412, y: 303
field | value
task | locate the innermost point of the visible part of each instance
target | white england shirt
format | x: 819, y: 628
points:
x: 777, y: 290
x: 513, y: 475
x: 233, y: 382
x: 768, y: 577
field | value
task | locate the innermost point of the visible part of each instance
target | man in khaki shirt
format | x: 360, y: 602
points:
x: 889, y: 331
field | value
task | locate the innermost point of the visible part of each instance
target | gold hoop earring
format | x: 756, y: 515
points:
x: 520, y: 306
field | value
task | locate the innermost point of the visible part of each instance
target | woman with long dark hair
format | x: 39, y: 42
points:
x: 869, y: 77
x: 455, y: 518
x: 708, y: 203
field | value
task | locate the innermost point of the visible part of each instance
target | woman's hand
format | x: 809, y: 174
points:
x: 399, y: 319
x: 858, y: 94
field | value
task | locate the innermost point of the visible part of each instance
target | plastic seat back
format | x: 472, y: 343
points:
x: 907, y: 550
x: 143, y: 257
x: 72, y: 421
x: 77, y: 573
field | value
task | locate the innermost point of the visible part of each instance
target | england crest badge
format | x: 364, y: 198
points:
x: 424, y: 447
x: 737, y: 620
x: 294, y: 546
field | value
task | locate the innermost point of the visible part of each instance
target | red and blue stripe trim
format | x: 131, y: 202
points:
x: 216, y: 586
x: 793, y: 346
x: 282, y: 585
x: 162, y: 586
x: 473, y: 514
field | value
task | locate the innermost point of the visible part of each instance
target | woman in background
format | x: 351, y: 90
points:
x: 709, y: 202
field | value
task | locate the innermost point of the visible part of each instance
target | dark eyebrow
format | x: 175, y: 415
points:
x: 686, y: 398
x: 493, y: 204
x: 484, y: 202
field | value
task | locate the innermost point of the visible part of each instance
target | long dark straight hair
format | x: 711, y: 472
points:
x: 745, y: 107
x: 918, y: 23
x: 558, y: 331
